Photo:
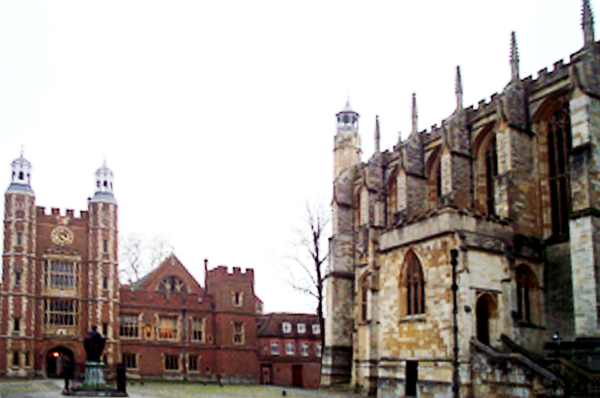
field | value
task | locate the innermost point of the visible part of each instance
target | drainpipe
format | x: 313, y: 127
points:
x: 454, y: 263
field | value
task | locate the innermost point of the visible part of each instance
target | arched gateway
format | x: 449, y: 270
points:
x: 56, y: 359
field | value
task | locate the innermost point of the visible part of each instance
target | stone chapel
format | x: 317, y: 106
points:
x: 465, y: 260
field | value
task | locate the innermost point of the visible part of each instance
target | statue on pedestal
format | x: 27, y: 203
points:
x: 94, y: 344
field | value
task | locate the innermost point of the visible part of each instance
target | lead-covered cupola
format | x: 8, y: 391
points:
x: 21, y: 177
x: 104, y: 185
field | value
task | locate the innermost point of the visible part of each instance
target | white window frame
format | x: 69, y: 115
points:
x: 286, y: 327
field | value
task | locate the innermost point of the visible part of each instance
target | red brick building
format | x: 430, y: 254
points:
x: 60, y: 277
x: 289, y: 348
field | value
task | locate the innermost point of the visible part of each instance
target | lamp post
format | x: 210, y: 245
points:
x: 557, y: 339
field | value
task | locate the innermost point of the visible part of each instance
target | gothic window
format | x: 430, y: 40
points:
x: 60, y: 312
x: 434, y: 180
x: 172, y: 284
x: 128, y: 326
x: 559, y: 145
x: 392, y: 194
x: 491, y: 171
x: 364, y: 297
x: 413, y: 286
x: 526, y: 293
x: 167, y: 329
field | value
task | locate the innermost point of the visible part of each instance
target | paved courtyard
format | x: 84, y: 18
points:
x: 52, y: 389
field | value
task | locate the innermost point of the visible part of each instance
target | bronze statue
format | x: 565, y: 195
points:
x: 94, y: 345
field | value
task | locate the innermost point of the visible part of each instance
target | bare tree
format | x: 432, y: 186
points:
x: 310, y: 256
x: 139, y: 255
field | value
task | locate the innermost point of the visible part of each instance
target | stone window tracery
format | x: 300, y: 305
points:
x: 559, y: 145
x: 413, y: 286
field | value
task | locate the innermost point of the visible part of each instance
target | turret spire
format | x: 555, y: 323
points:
x: 458, y: 89
x: 414, y: 113
x: 377, y: 136
x: 21, y: 176
x: 588, y: 24
x: 514, y: 58
x: 104, y: 185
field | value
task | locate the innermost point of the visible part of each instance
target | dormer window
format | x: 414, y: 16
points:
x: 301, y: 328
x: 316, y: 329
x: 286, y: 327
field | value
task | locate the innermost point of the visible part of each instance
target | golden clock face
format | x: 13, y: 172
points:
x: 62, y: 236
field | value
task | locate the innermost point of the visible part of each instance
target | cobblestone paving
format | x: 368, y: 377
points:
x: 53, y: 389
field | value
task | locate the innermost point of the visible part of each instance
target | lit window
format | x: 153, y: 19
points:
x: 171, y: 362
x: 167, y: 328
x: 304, y: 349
x: 289, y: 348
x: 128, y: 326
x: 316, y: 329
x: 274, y: 348
x: 301, y: 328
x: 287, y: 327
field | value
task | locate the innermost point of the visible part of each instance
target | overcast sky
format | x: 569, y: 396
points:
x: 218, y: 117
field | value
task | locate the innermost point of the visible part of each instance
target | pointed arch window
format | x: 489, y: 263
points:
x: 559, y: 145
x: 526, y: 294
x: 491, y: 171
x: 414, y: 286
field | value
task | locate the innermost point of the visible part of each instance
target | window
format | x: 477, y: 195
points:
x: 148, y: 331
x: 167, y: 329
x: 559, y: 145
x: 105, y: 283
x: 17, y: 278
x: 15, y: 358
x: 392, y: 202
x: 491, y: 171
x: 105, y: 246
x: 364, y: 297
x: 171, y: 362
x: 61, y: 274
x: 286, y: 327
x: 318, y: 349
x: 129, y: 360
x: 301, y: 328
x: 19, y: 239
x: 526, y: 292
x: 316, y: 329
x: 193, y: 363
x: 238, y: 333
x: 60, y: 312
x: 274, y: 348
x: 289, y: 348
x: 304, y: 349
x: 26, y: 356
x: 237, y: 298
x: 16, y: 324
x: 105, y: 329
x: 172, y: 284
x: 414, y: 285
x: 198, y: 330
x: 128, y: 326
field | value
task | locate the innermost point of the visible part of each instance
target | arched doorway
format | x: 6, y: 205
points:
x: 56, y: 359
x: 484, y: 312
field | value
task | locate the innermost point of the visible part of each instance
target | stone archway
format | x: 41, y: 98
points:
x: 56, y: 359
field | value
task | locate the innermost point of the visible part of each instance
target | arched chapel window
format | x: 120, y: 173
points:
x: 491, y: 171
x: 414, y: 285
x: 559, y: 145
x: 526, y: 293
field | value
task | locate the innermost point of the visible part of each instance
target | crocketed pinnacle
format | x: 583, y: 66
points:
x: 377, y: 136
x: 458, y: 89
x: 587, y: 24
x: 414, y: 113
x: 514, y: 58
